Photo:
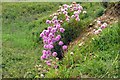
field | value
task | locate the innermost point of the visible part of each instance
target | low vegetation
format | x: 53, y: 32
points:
x: 22, y: 47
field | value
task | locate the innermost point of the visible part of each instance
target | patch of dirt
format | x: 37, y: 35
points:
x: 105, y: 18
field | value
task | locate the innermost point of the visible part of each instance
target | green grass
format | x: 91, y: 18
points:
x: 21, y: 45
x: 18, y: 51
x: 97, y: 58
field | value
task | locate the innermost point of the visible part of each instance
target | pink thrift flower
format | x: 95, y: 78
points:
x: 43, y: 57
x: 54, y: 30
x: 47, y: 32
x: 55, y: 21
x: 65, y: 6
x: 53, y: 40
x: 65, y: 12
x: 44, y: 31
x: 102, y: 26
x: 45, y: 38
x: 45, y: 41
x: 41, y: 35
x: 55, y: 66
x: 51, y: 43
x: 54, y: 54
x: 77, y: 19
x: 58, y: 37
x: 80, y: 8
x: 99, y: 30
x: 76, y: 16
x: 99, y: 22
x: 60, y: 43
x: 75, y: 8
x: 49, y: 40
x: 48, y: 63
x: 64, y: 47
x: 57, y: 26
x: 79, y: 11
x: 105, y: 24
x: 49, y: 52
x: 76, y: 13
x: 49, y: 28
x: 46, y: 46
x: 62, y: 10
x: 48, y: 21
x: 44, y: 52
x: 67, y: 19
x: 96, y: 32
x: 51, y: 35
x: 50, y: 46
x: 62, y: 30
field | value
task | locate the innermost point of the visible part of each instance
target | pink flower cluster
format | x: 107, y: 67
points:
x: 102, y: 26
x: 52, y: 34
x: 75, y: 8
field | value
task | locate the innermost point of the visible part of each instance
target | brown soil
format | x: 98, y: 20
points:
x: 107, y: 18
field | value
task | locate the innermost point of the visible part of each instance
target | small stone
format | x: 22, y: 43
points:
x: 96, y: 26
x: 71, y: 53
x: 81, y: 44
x: 93, y: 39
x: 57, y: 59
x: 39, y: 69
x: 88, y: 34
x: 83, y: 38
x: 42, y: 75
x: 40, y: 65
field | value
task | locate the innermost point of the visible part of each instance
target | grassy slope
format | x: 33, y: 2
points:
x: 19, y: 53
x: 97, y: 58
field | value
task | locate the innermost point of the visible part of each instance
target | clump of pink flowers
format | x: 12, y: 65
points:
x: 52, y: 34
x: 102, y: 26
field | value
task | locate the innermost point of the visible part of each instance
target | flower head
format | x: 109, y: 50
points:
x: 50, y: 46
x: 49, y: 28
x: 48, y: 21
x: 43, y: 57
x: 64, y: 47
x: 54, y: 54
x: 60, y: 43
x: 58, y: 37
x: 62, y: 30
x: 57, y: 26
x: 42, y: 34
x: 54, y: 30
x: 46, y: 46
x: 77, y: 19
x: 48, y: 63
x: 99, y: 30
x: 65, y: 6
